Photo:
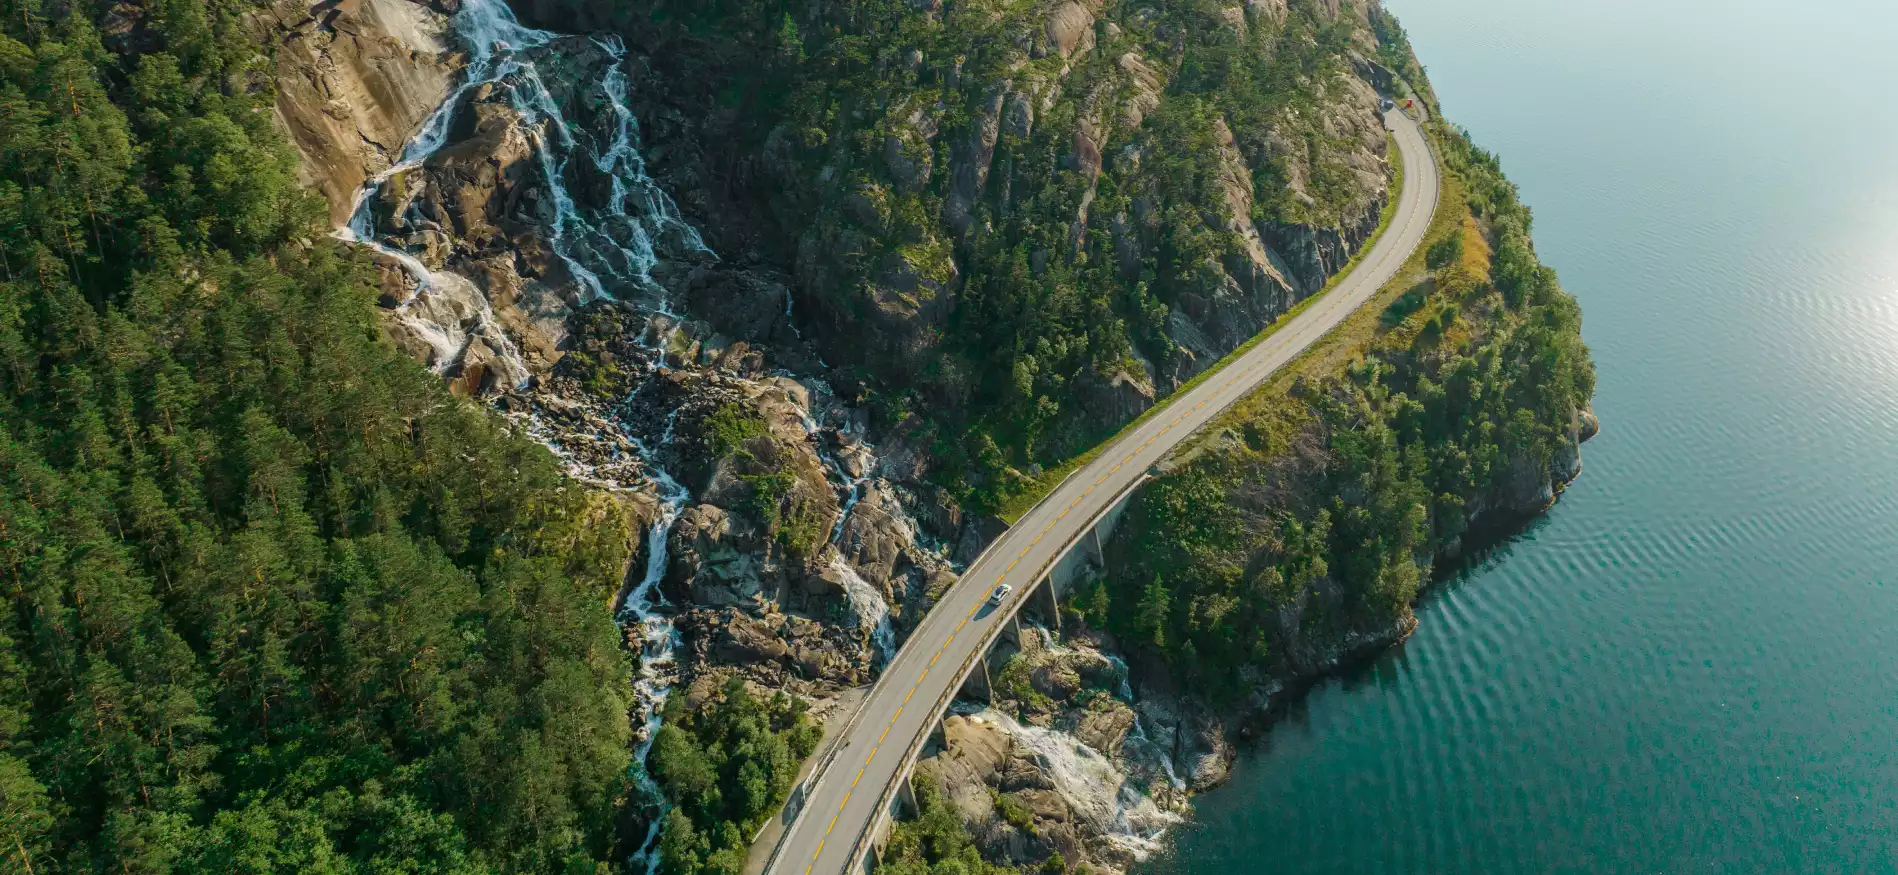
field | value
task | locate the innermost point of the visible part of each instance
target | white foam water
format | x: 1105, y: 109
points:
x: 872, y: 611
x: 609, y: 249
x: 645, y: 606
x: 1094, y: 787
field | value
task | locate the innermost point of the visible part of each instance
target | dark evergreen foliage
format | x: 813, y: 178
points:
x: 727, y: 766
x: 275, y: 601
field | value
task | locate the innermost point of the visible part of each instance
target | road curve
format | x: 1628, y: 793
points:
x: 846, y: 796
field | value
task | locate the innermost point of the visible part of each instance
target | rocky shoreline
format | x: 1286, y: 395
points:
x: 1145, y: 745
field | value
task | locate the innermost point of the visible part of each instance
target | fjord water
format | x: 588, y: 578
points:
x: 1690, y: 665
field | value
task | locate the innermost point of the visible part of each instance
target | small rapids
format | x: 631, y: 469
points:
x: 1139, y: 747
x: 1093, y: 786
x: 854, y: 455
x: 609, y: 247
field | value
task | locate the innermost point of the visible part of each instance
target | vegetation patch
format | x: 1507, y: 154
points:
x: 727, y: 766
x: 935, y: 841
x: 1033, y: 490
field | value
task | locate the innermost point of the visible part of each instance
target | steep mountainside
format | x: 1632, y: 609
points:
x: 1017, y: 224
x: 275, y: 601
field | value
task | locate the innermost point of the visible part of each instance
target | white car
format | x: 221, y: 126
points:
x: 1001, y: 594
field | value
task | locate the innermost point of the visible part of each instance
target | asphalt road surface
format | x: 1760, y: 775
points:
x: 844, y: 800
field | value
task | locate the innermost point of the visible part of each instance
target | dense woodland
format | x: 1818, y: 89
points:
x: 275, y: 601
x: 1312, y: 515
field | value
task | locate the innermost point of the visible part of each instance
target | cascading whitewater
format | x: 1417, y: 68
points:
x: 608, y: 225
x: 607, y: 243
x: 872, y: 611
x: 1093, y: 786
x: 609, y: 246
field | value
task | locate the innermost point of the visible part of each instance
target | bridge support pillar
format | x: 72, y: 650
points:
x: 906, y: 794
x: 1049, y: 603
x: 977, y: 686
x: 1011, y: 630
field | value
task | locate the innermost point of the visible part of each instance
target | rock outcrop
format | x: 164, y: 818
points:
x: 1059, y: 763
x: 355, y: 81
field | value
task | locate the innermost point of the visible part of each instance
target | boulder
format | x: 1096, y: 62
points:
x: 1070, y: 29
x: 968, y: 764
x: 876, y: 538
x: 1105, y: 728
x: 742, y: 640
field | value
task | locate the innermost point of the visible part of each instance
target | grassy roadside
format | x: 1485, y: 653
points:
x: 1333, y: 352
x: 1019, y: 506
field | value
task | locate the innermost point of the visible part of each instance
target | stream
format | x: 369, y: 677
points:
x: 610, y: 247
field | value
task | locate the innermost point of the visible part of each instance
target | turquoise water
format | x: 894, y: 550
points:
x: 1690, y: 665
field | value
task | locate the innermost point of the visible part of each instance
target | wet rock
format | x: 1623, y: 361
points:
x: 1104, y: 727
x: 876, y: 538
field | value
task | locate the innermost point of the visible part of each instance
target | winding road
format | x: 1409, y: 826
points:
x: 832, y: 830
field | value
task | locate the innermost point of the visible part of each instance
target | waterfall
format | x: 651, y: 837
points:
x: 609, y: 224
x: 1120, y: 668
x: 658, y: 648
x: 609, y: 249
x: 1094, y: 787
x: 872, y: 611
x: 853, y: 484
x: 870, y: 607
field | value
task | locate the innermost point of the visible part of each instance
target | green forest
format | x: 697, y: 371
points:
x: 275, y: 601
x: 726, y: 765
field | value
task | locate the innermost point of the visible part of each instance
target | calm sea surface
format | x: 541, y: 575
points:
x: 1692, y: 664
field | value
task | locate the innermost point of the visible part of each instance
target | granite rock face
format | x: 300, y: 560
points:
x: 355, y: 81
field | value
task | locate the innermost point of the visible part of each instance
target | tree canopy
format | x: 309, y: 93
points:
x: 275, y: 601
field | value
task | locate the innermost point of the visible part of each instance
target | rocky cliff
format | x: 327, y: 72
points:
x: 1017, y: 225
x: 355, y: 81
